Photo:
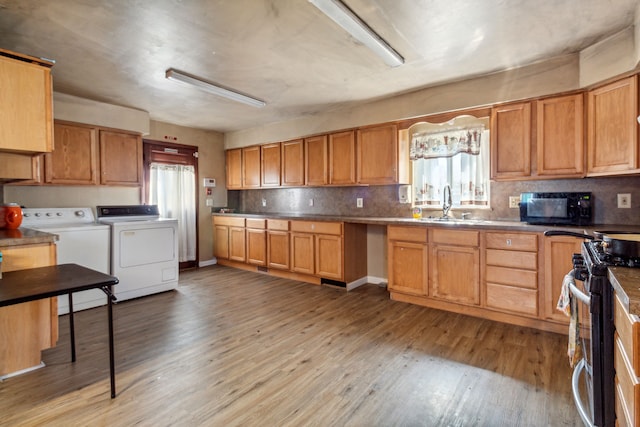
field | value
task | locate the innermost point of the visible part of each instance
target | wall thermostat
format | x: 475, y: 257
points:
x: 209, y: 182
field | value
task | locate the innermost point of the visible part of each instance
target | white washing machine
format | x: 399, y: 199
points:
x: 81, y: 240
x: 144, y: 249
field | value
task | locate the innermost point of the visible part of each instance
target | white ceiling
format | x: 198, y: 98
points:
x: 287, y: 52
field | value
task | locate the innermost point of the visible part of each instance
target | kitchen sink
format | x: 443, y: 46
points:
x: 448, y: 220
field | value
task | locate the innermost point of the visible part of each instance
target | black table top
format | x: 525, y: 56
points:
x: 36, y: 283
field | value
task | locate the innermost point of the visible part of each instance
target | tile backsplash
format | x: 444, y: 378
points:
x: 383, y: 201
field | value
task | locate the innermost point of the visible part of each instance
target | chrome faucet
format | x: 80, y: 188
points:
x: 446, y: 202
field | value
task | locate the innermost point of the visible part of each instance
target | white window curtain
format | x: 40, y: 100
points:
x: 172, y: 188
x: 458, y: 157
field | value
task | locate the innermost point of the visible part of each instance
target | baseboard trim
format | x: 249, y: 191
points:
x: 208, y: 262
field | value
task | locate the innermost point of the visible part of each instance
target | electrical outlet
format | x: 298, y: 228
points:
x: 310, y: 202
x: 514, y: 202
x: 264, y: 202
x: 624, y: 200
x: 359, y: 202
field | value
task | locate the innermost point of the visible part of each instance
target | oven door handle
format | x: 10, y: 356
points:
x: 575, y: 388
x: 584, y: 298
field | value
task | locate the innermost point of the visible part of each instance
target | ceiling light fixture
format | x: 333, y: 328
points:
x: 350, y: 22
x: 179, y: 76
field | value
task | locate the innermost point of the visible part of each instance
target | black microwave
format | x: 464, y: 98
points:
x: 556, y: 208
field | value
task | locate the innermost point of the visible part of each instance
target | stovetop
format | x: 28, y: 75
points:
x: 597, y: 249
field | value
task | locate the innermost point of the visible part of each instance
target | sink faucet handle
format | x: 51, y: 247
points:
x: 465, y: 215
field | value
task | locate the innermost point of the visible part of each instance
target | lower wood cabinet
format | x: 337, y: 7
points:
x: 558, y: 252
x: 229, y: 238
x: 627, y: 365
x: 28, y: 328
x: 256, y: 234
x: 237, y: 250
x: 316, y: 248
x: 511, y: 272
x: 454, y: 269
x: 278, y: 244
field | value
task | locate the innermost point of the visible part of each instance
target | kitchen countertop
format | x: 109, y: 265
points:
x: 626, y: 283
x: 24, y: 236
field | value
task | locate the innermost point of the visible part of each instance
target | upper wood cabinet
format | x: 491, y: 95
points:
x: 120, y: 158
x: 292, y: 160
x: 75, y: 159
x: 316, y: 160
x: 342, y: 158
x: 511, y: 141
x: 270, y: 165
x: 379, y: 157
x: 560, y: 136
x: 26, y: 118
x: 234, y: 169
x: 25, y: 168
x: 251, y: 167
x: 612, y: 135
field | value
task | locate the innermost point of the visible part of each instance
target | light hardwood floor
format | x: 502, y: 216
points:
x: 235, y: 348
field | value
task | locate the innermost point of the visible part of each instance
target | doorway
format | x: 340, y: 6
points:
x: 171, y: 177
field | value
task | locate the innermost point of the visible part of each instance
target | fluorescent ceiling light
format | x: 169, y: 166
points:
x: 350, y: 22
x: 213, y: 88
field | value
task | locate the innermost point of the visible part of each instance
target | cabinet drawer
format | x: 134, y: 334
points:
x: 627, y: 329
x: 512, y: 277
x: 278, y: 224
x: 503, y: 258
x: 229, y: 220
x: 256, y: 223
x: 512, y: 241
x: 407, y: 234
x: 623, y: 417
x: 454, y: 237
x: 317, y: 227
x: 626, y: 381
x: 508, y: 298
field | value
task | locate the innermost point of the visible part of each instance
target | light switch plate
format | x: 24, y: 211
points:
x: 264, y: 202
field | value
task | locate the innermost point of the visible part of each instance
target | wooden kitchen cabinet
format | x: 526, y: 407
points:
x: 454, y: 268
x: 22, y: 167
x: 278, y: 244
x: 316, y: 248
x: 292, y: 158
x: 251, y: 173
x: 256, y: 241
x: 28, y: 328
x: 407, y: 257
x: 270, y: 165
x: 120, y: 158
x: 558, y: 253
x: 511, y: 141
x: 26, y: 110
x: 612, y: 132
x: 237, y: 244
x: 234, y: 169
x: 511, y: 272
x: 316, y: 160
x: 342, y: 158
x: 627, y: 365
x: 229, y: 237
x: 380, y: 159
x: 560, y: 136
x: 75, y: 158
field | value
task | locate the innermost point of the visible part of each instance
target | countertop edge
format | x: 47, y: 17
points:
x: 25, y: 236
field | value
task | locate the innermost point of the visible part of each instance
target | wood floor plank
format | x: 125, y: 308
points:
x: 236, y: 348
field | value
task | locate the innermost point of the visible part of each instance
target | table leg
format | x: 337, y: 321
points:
x: 72, y: 329
x: 111, y: 351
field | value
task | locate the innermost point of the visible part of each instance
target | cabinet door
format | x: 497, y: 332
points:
x: 302, y: 253
x: 511, y: 141
x: 408, y: 267
x: 236, y: 244
x: 251, y: 167
x: 292, y: 157
x: 612, y: 136
x: 270, y: 158
x: 120, y: 158
x: 28, y: 328
x: 221, y: 241
x: 560, y: 141
x: 377, y: 155
x: 455, y: 274
x: 22, y: 167
x: 234, y: 169
x: 558, y: 252
x: 316, y: 160
x: 342, y: 160
x: 278, y: 249
x: 329, y: 256
x: 26, y: 118
x: 256, y: 246
x: 75, y: 157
